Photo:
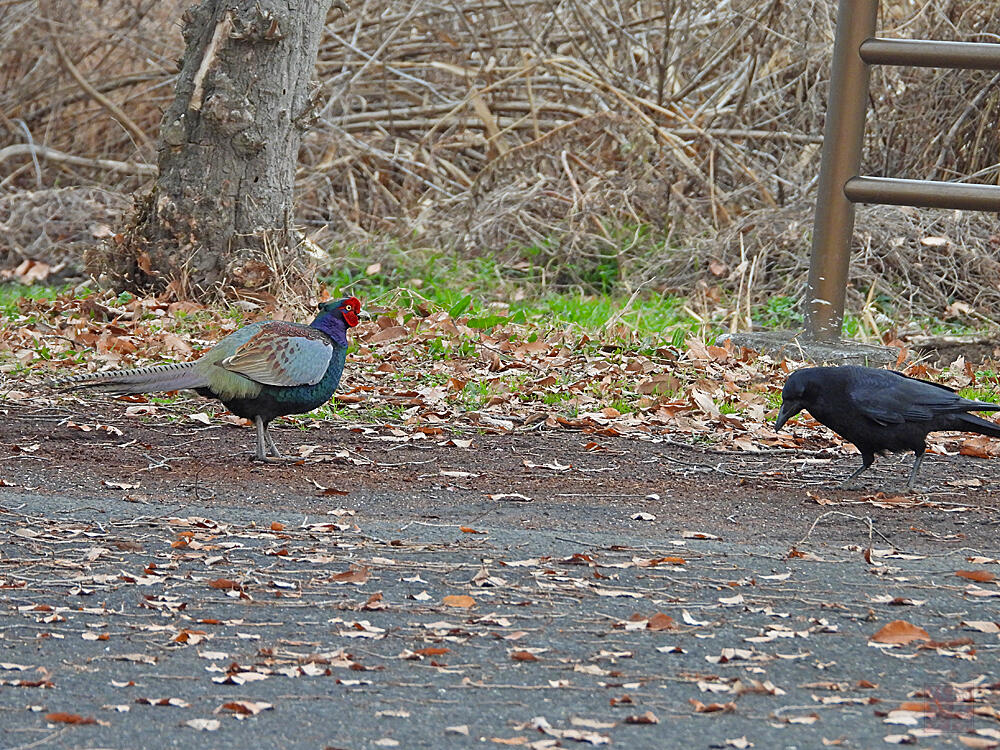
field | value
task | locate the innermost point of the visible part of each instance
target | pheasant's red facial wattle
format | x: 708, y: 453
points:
x: 350, y: 308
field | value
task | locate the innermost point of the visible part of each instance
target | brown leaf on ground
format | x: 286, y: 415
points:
x: 175, y: 702
x: 357, y: 574
x: 647, y: 718
x: 374, y: 602
x: 29, y: 271
x: 900, y: 632
x: 523, y: 656
x: 244, y: 708
x: 711, y: 708
x: 462, y: 601
x: 980, y: 576
x: 61, y: 717
x: 225, y: 584
x: 700, y: 535
x: 652, y: 563
x: 660, y: 621
x: 393, y: 333
x: 979, y: 447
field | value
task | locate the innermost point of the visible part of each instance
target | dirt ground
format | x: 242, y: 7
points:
x: 537, y: 588
x: 461, y: 475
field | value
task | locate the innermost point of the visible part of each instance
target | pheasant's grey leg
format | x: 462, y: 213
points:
x: 261, y: 434
x: 270, y: 444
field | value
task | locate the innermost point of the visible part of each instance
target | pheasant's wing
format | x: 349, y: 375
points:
x: 896, y: 399
x: 283, y: 354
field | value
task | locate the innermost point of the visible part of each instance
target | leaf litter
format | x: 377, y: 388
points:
x: 453, y: 633
x: 652, y: 392
x: 434, y: 370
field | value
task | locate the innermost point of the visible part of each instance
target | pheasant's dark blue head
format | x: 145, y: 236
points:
x: 336, y: 317
x: 348, y: 309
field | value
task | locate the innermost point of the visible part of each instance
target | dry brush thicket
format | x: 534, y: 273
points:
x: 642, y: 139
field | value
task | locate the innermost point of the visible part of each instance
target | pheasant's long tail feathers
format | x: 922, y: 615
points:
x: 172, y: 377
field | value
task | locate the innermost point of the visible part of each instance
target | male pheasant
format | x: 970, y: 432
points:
x: 261, y: 371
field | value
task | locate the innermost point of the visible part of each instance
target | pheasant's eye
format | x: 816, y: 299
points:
x: 348, y: 308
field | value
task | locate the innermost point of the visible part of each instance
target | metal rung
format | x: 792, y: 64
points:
x: 923, y: 193
x: 925, y: 53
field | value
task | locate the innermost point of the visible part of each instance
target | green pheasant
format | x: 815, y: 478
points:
x: 264, y: 370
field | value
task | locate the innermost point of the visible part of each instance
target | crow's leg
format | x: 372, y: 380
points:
x: 867, y: 459
x: 918, y: 457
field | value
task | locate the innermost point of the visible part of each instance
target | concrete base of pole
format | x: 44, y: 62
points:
x: 795, y: 345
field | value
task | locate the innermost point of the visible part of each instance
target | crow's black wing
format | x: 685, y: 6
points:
x: 889, y: 398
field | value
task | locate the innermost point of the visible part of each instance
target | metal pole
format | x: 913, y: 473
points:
x: 923, y: 193
x: 843, y: 135
x: 926, y: 53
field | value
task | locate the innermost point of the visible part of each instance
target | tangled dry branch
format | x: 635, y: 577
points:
x: 609, y: 139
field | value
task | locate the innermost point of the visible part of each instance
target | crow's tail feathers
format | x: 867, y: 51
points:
x: 972, y: 423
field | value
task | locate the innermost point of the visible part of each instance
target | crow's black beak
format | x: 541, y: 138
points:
x: 788, y: 410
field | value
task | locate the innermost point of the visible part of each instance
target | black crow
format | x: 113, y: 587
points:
x: 880, y: 410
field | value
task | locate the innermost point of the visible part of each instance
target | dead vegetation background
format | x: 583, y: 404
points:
x: 609, y: 143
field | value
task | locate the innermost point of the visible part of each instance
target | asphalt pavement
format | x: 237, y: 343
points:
x: 485, y: 624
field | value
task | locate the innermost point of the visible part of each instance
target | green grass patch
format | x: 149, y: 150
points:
x: 980, y: 394
x: 489, y: 294
x: 11, y: 293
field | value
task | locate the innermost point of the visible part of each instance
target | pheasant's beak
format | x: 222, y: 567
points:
x: 353, y: 317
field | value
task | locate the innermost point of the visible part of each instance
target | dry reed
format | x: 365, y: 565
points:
x: 649, y: 137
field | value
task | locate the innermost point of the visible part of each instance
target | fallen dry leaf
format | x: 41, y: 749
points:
x: 900, y: 632
x: 225, y: 584
x: 983, y: 626
x: 980, y: 576
x: 205, y: 725
x: 700, y: 535
x: 356, y: 574
x: 982, y: 743
x: 61, y: 717
x: 523, y: 656
x: 244, y: 708
x: 647, y: 718
x: 711, y: 708
x: 660, y: 621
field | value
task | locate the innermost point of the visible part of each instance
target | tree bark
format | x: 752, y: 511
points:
x: 219, y: 219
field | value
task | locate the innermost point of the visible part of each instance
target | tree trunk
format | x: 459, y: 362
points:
x: 219, y: 219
